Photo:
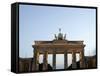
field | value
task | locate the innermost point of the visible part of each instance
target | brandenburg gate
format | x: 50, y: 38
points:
x: 58, y: 46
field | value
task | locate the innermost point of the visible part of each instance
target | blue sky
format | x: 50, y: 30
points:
x: 41, y: 23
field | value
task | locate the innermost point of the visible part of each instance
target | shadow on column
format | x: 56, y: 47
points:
x: 41, y: 67
x: 77, y: 64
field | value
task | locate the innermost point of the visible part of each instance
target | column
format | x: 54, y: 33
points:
x: 54, y: 60
x: 29, y: 66
x: 74, y: 60
x: 45, y: 61
x: 82, y: 59
x: 36, y: 60
x: 65, y: 60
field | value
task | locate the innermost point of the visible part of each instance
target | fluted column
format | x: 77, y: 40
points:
x: 36, y: 60
x: 74, y: 60
x: 82, y: 65
x: 54, y: 59
x: 45, y: 61
x: 65, y: 60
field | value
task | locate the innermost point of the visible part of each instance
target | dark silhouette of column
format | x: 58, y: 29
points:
x: 65, y: 60
x: 54, y: 59
x: 74, y: 60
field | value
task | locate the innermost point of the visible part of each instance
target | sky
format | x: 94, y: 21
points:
x: 42, y: 22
